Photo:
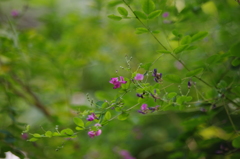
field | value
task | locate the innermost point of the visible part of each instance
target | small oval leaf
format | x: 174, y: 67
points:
x: 140, y: 15
x: 154, y: 14
x: 141, y: 30
x: 148, y: 6
x: 180, y: 49
x: 123, y: 116
x: 236, y: 142
x: 122, y: 11
x: 115, y: 17
x: 78, y: 122
x: 107, y: 115
x: 186, y: 40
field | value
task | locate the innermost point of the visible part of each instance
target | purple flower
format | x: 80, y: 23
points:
x: 154, y: 108
x: 189, y: 84
x: 165, y: 14
x: 98, y: 125
x: 139, y: 77
x: 98, y: 132
x: 140, y: 95
x: 24, y: 136
x: 91, y: 117
x: 91, y: 134
x: 116, y: 82
x: 14, y: 13
x: 125, y: 154
x: 144, y: 109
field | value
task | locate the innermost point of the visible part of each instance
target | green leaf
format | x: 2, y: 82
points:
x: 48, y: 134
x: 154, y: 14
x: 182, y: 99
x: 213, y: 59
x: 56, y: 134
x: 105, y: 105
x: 79, y: 128
x: 199, y: 36
x: 126, y: 85
x: 115, y: 17
x: 33, y: 139
x: 173, y: 78
x: 156, y: 31
x: 37, y: 135
x: 186, y: 40
x: 191, y: 48
x: 67, y: 131
x: 164, y: 51
x: 236, y: 61
x: 146, y: 66
x: 107, y: 116
x: 236, y: 142
x: 140, y: 15
x: 122, y: 11
x: 99, y: 104
x: 180, y: 49
x: 141, y: 30
x: 176, y: 33
x: 123, y: 116
x: 235, y: 49
x: 172, y: 94
x: 27, y: 129
x: 194, y: 72
x: 148, y: 6
x: 114, y: 3
x: 222, y: 84
x: 78, y: 122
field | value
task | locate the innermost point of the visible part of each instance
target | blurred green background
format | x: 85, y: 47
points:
x: 54, y: 52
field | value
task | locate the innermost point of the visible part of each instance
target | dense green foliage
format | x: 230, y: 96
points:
x: 59, y: 62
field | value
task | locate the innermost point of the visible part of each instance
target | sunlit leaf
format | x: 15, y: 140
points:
x: 115, y: 17
x: 141, y: 30
x: 107, y: 116
x: 78, y: 122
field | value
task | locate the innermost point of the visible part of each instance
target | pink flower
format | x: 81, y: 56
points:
x: 91, y: 117
x: 99, y: 132
x: 98, y: 125
x: 14, y: 13
x: 117, y: 83
x: 144, y: 107
x: 165, y: 14
x: 92, y: 134
x: 139, y: 77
